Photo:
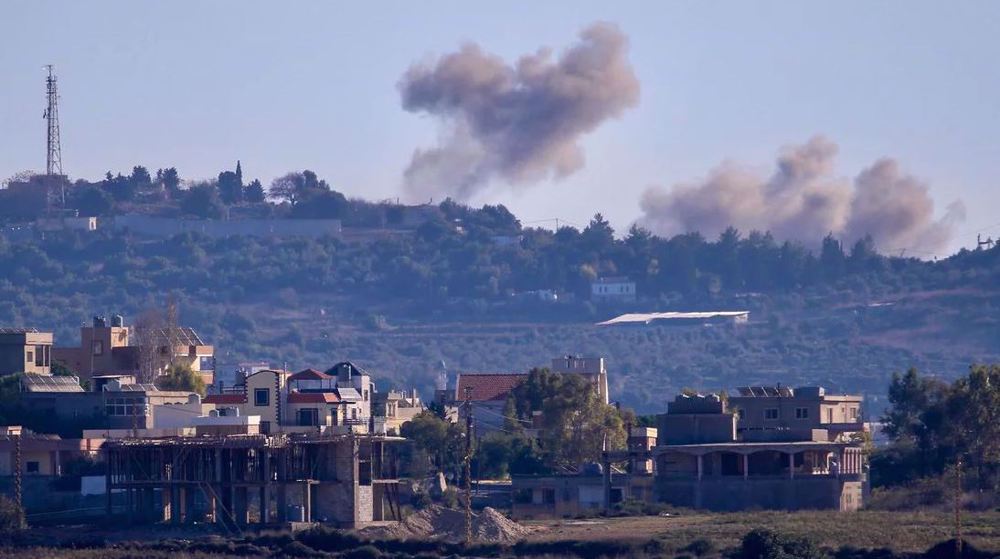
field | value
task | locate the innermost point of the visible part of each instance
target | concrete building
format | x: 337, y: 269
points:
x: 797, y: 412
x: 111, y: 406
x: 25, y: 350
x: 394, y: 408
x: 704, y: 460
x: 119, y: 349
x: 42, y: 455
x: 338, y: 401
x: 612, y: 290
x: 347, y: 481
x: 592, y: 368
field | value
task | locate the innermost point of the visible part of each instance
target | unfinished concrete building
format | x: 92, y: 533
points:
x: 347, y: 480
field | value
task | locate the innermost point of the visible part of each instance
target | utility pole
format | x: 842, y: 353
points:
x: 468, y: 460
x: 17, y: 466
x: 958, y: 508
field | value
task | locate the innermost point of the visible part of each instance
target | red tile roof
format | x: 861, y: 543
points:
x: 487, y: 387
x: 309, y: 374
x: 313, y: 398
x: 225, y: 399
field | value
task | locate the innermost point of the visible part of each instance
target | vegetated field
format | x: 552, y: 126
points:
x: 902, y: 531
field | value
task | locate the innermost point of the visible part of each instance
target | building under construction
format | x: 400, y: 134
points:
x: 345, y: 480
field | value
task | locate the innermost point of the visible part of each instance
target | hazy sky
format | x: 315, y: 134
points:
x: 293, y: 85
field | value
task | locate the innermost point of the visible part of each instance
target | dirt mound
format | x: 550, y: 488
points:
x: 449, y: 524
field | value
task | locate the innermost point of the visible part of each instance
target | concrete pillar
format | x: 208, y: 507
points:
x: 700, y: 467
x: 746, y: 466
x: 791, y: 465
x: 306, y: 502
x: 167, y: 500
x: 176, y: 504
x: 240, y: 508
x: 282, y: 503
x: 183, y: 505
x: 213, y: 508
x: 265, y: 504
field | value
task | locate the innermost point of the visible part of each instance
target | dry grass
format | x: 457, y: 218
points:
x: 903, y: 531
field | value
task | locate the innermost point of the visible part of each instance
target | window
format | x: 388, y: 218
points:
x: 30, y: 357
x: 261, y: 397
x: 98, y: 347
x: 354, y: 413
x: 31, y: 467
x: 40, y: 356
x: 771, y: 413
x: 854, y: 413
x: 801, y: 413
x: 829, y: 415
x: 125, y: 407
x: 308, y: 416
x: 265, y: 427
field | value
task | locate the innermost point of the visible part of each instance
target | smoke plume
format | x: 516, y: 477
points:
x: 520, y: 122
x: 804, y: 201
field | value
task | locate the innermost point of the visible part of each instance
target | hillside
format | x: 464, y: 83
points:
x: 402, y: 305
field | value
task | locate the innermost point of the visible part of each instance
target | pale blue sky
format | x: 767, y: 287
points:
x: 293, y: 85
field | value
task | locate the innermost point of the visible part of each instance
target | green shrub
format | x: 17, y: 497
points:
x: 11, y: 516
x: 700, y: 547
x: 768, y: 544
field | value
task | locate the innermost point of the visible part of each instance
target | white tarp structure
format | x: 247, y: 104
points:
x: 647, y: 318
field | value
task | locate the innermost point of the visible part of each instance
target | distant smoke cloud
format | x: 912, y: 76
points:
x: 804, y: 201
x: 521, y: 123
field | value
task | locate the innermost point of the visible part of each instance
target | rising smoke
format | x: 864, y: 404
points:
x: 520, y: 122
x: 804, y: 201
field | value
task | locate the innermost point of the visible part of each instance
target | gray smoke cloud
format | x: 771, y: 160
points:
x: 804, y: 201
x: 519, y: 122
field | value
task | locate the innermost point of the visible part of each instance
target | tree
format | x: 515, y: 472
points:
x: 254, y: 192
x: 296, y: 187
x: 230, y: 188
x: 93, y: 201
x: 441, y: 441
x: 975, y: 408
x: 203, y: 201
x: 576, y: 423
x: 180, y: 376
x: 598, y: 235
x: 170, y: 181
x: 139, y: 181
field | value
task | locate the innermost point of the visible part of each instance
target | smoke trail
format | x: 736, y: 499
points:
x: 520, y: 122
x: 803, y: 201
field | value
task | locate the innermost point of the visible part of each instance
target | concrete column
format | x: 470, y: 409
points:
x: 265, y: 504
x: 167, y: 498
x: 700, y: 467
x: 306, y: 502
x: 282, y: 503
x: 240, y: 508
x: 184, y: 505
x: 213, y: 509
x: 791, y: 465
x: 176, y: 504
x: 746, y: 466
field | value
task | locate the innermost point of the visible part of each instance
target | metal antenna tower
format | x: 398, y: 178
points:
x: 53, y: 157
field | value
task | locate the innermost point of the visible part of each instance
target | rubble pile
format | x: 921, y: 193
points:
x: 449, y: 524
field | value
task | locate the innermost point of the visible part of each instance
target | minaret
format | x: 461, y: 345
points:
x: 239, y: 172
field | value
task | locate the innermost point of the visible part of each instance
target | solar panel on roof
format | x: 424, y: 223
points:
x: 7, y: 330
x: 44, y: 383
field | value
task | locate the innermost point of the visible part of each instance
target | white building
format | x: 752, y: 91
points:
x: 618, y: 289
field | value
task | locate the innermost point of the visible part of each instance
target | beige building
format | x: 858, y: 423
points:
x: 118, y: 349
x: 25, y: 350
x: 799, y: 410
x: 394, y: 408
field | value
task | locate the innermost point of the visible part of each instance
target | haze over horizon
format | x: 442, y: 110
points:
x: 702, y: 96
